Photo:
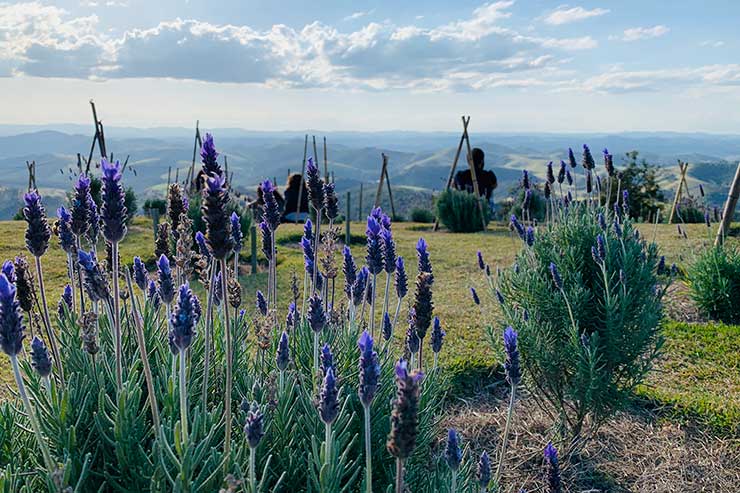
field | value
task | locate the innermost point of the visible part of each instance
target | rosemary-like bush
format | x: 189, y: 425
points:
x: 459, y: 212
x: 714, y: 282
x: 585, y: 296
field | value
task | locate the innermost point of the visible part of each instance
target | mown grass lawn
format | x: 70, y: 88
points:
x: 698, y: 373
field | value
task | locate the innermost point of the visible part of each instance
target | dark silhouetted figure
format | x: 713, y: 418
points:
x: 291, y: 211
x: 487, y: 181
x: 258, y: 204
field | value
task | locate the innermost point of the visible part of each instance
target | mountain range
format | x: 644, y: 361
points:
x: 418, y: 162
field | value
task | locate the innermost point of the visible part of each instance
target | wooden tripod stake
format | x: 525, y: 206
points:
x: 384, y: 177
x: 464, y: 139
x: 729, y: 209
x: 681, y: 183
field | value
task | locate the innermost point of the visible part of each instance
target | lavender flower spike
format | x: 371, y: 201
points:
x: 556, y: 275
x: 350, y: 271
x: 64, y: 230
x: 236, y: 232
x: 404, y: 417
x: 328, y: 398
x: 218, y: 224
x: 400, y: 279
x: 261, y: 303
x: 331, y: 202
x: 316, y: 314
x: 511, y: 365
x: 437, y: 336
x: 282, y: 358
x: 183, y: 319
x: 37, y: 231
x: 374, y: 256
x: 271, y: 213
x: 140, y: 276
x: 387, y: 327
x: 453, y: 454
x: 11, y: 320
x: 369, y: 369
x: 9, y: 270
x: 474, y: 294
x: 200, y: 239
x: 254, y: 427
x: 389, y: 250
x: 40, y: 359
x: 114, y: 211
x: 81, y: 214
x: 209, y: 156
x: 153, y: 296
x: 315, y: 185
x: 553, y: 469
x: 65, y: 301
x: 481, y: 263
x: 422, y: 253
x: 327, y: 359
x: 166, y: 287
x: 94, y: 281
x: 483, y: 470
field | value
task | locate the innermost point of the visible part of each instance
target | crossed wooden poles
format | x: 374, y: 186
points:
x: 683, y: 167
x: 465, y: 139
x: 384, y: 178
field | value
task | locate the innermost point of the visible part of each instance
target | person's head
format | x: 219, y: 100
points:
x: 478, y: 157
x: 294, y: 182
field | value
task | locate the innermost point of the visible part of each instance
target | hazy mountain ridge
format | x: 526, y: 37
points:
x: 417, y: 160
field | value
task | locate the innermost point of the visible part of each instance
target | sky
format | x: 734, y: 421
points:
x: 513, y: 65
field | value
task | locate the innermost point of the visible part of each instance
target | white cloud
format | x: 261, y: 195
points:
x: 582, y: 43
x: 622, y: 81
x: 565, y: 15
x: 638, y: 33
x: 357, y: 15
x: 712, y: 44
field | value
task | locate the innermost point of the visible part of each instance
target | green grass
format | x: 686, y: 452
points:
x: 698, y: 374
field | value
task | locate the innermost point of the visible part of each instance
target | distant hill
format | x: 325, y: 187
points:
x: 419, y: 163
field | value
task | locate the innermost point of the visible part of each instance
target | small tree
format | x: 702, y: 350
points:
x: 640, y: 180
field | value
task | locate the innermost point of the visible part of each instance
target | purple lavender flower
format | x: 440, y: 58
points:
x: 271, y: 208
x: 525, y: 179
x: 515, y: 225
x: 236, y: 232
x: 369, y: 369
x: 617, y: 229
x: 437, y: 337
x: 572, y: 158
x: 499, y: 297
x: 183, y: 319
x: 358, y: 288
x: 315, y: 185
x: 9, y: 270
x: 387, y: 328
x: 261, y: 303
x: 374, y: 250
x: 140, y: 275
x: 94, y: 281
x: 600, y: 247
x: 569, y: 178
x: 553, y: 469
x: 93, y: 231
x: 474, y: 294
x: 550, y: 174
x: 556, y: 276
x: 609, y: 163
x: 481, y: 263
x: 80, y: 206
x: 200, y: 239
x: 65, y: 301
x: 209, y: 156
x: 308, y: 230
x: 218, y: 224
x: 166, y: 287
x: 327, y: 358
x: 453, y: 454
x: 328, y: 398
x: 625, y: 201
x: 483, y: 470
x: 588, y: 160
x: 331, y: 202
x: 412, y: 338
x: 547, y: 190
x: 40, y: 359
x: 114, y: 211
x: 37, y: 231
x: 601, y: 221
x: 197, y: 309
x: 404, y: 416
x: 218, y: 289
x: 527, y: 199
x: 283, y: 352
x: 400, y: 281
x: 291, y: 320
x: 350, y: 271
x: 661, y: 265
x: 153, y: 296
x: 529, y: 236
x: 589, y: 186
x: 422, y: 254
x: 389, y: 250
x: 308, y: 254
x: 707, y: 221
x: 266, y: 235
x: 511, y: 365
x: 316, y: 315
x: 561, y: 173
x: 11, y: 319
x: 254, y: 427
x: 66, y: 237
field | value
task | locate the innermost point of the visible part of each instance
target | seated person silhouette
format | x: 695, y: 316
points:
x: 257, y: 205
x: 487, y: 181
x: 291, y: 211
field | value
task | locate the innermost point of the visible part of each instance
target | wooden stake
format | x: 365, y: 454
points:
x: 729, y: 209
x: 683, y: 167
x: 326, y: 164
x: 347, y: 235
x: 303, y: 172
x: 451, y: 176
x: 473, y: 174
x: 359, y: 207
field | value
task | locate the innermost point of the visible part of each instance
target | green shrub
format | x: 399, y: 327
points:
x: 158, y: 204
x: 459, y: 212
x: 131, y: 206
x: 584, y: 347
x: 419, y: 215
x: 537, y: 207
x: 714, y: 283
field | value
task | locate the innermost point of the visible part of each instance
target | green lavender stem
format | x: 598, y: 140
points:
x: 372, y: 307
x: 117, y: 317
x: 227, y: 399
x: 209, y: 323
x: 453, y: 486
x: 327, y: 438
x: 32, y: 416
x: 399, y: 475
x: 505, y: 440
x: 183, y: 399
x: 315, y: 352
x: 252, y: 472
x: 71, y: 269
x: 368, y: 453
x: 47, y: 322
